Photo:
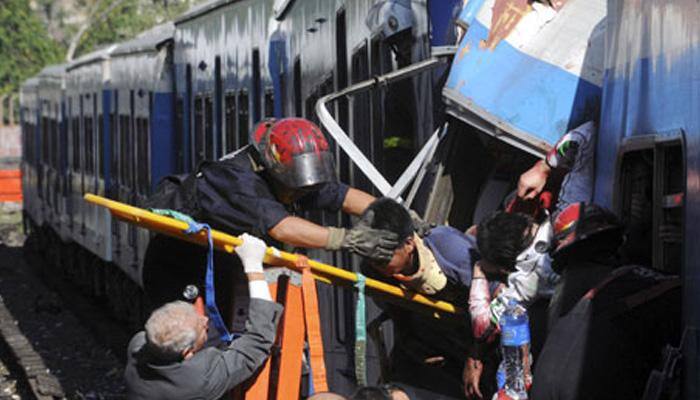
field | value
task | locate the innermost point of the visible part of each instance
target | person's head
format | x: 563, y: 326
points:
x: 383, y: 392
x: 585, y: 231
x: 176, y: 331
x: 501, y: 237
x: 326, y: 396
x: 387, y: 214
x: 296, y: 155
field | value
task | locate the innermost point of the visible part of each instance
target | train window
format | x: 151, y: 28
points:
x: 45, y: 149
x: 283, y: 92
x: 100, y: 146
x: 95, y: 136
x: 361, y: 112
x: 56, y: 153
x: 179, y: 134
x: 142, y: 155
x: 187, y: 159
x: 269, y: 103
x: 198, y: 136
x: 54, y: 141
x: 123, y: 138
x: 230, y: 117
x: 63, y: 135
x: 89, y: 137
x: 341, y: 50
x: 114, y: 140
x: 651, y: 199
x: 297, y: 88
x: 209, y: 138
x: 256, y: 85
x: 243, y: 118
x: 76, y: 143
x: 89, y: 145
x: 218, y: 101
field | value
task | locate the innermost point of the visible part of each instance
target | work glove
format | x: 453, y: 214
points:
x: 419, y: 225
x: 251, y: 252
x: 377, y: 244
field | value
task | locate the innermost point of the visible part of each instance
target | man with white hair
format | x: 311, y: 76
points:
x: 168, y: 360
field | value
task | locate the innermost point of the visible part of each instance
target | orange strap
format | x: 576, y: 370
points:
x: 313, y: 326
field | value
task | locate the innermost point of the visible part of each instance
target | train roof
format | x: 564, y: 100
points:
x: 150, y: 40
x: 30, y: 83
x: 56, y: 70
x: 100, y: 54
x: 202, y: 9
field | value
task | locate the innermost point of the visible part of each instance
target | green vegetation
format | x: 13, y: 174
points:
x: 25, y: 46
x: 37, y: 33
x: 119, y: 20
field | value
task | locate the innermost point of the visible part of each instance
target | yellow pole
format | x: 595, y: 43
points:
x: 225, y: 242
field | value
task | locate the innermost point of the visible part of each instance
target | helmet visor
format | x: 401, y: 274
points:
x: 309, y: 169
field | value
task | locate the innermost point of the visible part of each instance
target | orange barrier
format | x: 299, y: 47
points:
x: 10, y: 185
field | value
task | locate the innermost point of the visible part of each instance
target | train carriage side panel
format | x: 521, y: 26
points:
x: 28, y: 101
x: 649, y: 144
x: 88, y: 77
x: 50, y: 95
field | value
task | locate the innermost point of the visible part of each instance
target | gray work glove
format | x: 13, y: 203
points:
x: 377, y: 244
x: 421, y: 227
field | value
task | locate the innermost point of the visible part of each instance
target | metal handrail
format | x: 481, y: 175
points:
x: 439, y: 55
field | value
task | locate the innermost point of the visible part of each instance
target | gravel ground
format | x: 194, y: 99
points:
x: 85, y: 368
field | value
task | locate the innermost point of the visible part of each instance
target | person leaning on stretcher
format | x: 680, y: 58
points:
x: 258, y: 189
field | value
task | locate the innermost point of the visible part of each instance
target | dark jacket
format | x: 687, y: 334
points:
x: 211, y: 372
x: 235, y: 197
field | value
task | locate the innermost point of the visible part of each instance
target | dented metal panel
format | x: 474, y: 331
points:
x: 527, y: 72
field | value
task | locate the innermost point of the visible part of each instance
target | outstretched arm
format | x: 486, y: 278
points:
x: 562, y: 156
x: 357, y: 201
x: 299, y: 232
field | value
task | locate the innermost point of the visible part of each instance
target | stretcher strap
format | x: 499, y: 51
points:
x: 313, y: 331
x: 360, y: 333
x: 210, y: 296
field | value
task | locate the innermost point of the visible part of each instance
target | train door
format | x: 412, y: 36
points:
x: 650, y: 198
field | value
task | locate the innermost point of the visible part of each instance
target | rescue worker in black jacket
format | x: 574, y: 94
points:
x: 287, y: 167
x: 169, y: 360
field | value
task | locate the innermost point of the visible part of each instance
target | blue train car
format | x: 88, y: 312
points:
x: 139, y: 102
x: 649, y: 146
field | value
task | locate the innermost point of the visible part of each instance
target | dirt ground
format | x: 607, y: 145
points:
x: 85, y: 368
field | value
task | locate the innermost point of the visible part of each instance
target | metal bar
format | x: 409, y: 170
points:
x: 342, y: 139
x: 225, y: 242
x: 422, y: 171
x: 410, y: 172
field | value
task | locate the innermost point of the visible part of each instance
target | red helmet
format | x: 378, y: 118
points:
x: 576, y: 227
x: 294, y: 151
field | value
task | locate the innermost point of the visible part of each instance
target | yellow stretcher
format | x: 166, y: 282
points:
x: 227, y: 243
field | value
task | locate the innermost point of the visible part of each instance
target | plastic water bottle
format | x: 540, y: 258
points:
x: 515, y: 350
